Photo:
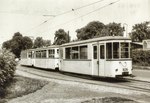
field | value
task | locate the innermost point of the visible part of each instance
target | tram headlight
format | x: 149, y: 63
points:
x: 116, y: 70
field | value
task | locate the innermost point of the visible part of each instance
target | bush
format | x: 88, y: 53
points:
x: 7, y: 69
x: 141, y: 58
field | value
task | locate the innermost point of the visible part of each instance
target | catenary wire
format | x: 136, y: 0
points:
x: 86, y: 14
x: 66, y: 12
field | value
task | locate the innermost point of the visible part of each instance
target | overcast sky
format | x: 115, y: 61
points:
x: 25, y: 16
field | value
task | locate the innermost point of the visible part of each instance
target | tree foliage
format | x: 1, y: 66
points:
x: 114, y: 29
x: 141, y: 57
x: 91, y: 30
x: 61, y: 37
x: 140, y: 32
x: 98, y: 29
x: 7, y: 69
x: 27, y: 43
x: 47, y: 43
x: 18, y: 43
x: 38, y: 42
x: 7, y: 44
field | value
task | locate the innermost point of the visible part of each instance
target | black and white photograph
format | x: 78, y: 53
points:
x: 74, y: 51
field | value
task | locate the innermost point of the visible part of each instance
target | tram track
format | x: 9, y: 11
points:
x: 129, y: 84
x: 139, y: 85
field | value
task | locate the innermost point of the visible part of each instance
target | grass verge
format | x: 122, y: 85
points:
x: 21, y: 86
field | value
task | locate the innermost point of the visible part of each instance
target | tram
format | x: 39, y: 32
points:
x: 47, y: 57
x: 103, y: 57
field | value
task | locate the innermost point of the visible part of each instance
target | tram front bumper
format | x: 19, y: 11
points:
x: 125, y: 73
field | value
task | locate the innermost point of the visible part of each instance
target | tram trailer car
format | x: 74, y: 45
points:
x: 47, y: 57
x: 27, y: 57
x: 102, y: 57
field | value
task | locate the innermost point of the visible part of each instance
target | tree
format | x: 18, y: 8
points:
x: 98, y: 29
x: 16, y: 48
x: 6, y: 44
x: 18, y: 43
x: 26, y: 43
x: 91, y: 30
x: 140, y: 32
x: 47, y: 43
x: 17, y: 35
x: 61, y: 37
x: 39, y: 42
x: 7, y: 69
x: 114, y: 29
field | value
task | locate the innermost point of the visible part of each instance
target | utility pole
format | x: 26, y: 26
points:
x: 68, y: 36
x: 125, y: 34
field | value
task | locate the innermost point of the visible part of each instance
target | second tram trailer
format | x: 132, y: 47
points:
x: 47, y: 57
x: 104, y: 57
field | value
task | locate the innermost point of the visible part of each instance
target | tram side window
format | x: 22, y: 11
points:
x: 23, y: 54
x: 61, y: 53
x: 115, y: 50
x: 57, y: 54
x: 95, y: 52
x: 75, y: 53
x: 68, y: 53
x: 109, y: 50
x: 124, y: 50
x: 57, y: 51
x: 83, y: 52
x: 38, y: 54
x: 29, y: 54
x: 102, y: 52
x: 43, y: 53
x: 51, y: 53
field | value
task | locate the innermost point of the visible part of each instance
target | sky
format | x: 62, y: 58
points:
x: 27, y: 16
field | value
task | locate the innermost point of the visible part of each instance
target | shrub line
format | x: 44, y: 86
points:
x: 141, y: 67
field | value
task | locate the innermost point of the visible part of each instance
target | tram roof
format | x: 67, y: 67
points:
x: 106, y: 38
x: 43, y: 48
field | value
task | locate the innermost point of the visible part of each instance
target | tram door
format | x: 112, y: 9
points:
x: 98, y: 59
x: 101, y: 59
x: 95, y: 60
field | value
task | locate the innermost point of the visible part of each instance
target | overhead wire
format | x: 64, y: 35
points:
x: 79, y: 16
x: 75, y: 9
x: 66, y: 12
x: 36, y: 26
x: 87, y: 13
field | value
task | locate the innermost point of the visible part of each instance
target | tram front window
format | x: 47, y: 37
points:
x: 124, y: 50
x: 115, y: 50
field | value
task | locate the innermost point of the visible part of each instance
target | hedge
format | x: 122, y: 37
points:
x: 7, y: 69
x: 141, y: 58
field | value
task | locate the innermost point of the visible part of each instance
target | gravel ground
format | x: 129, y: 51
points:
x: 58, y: 91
